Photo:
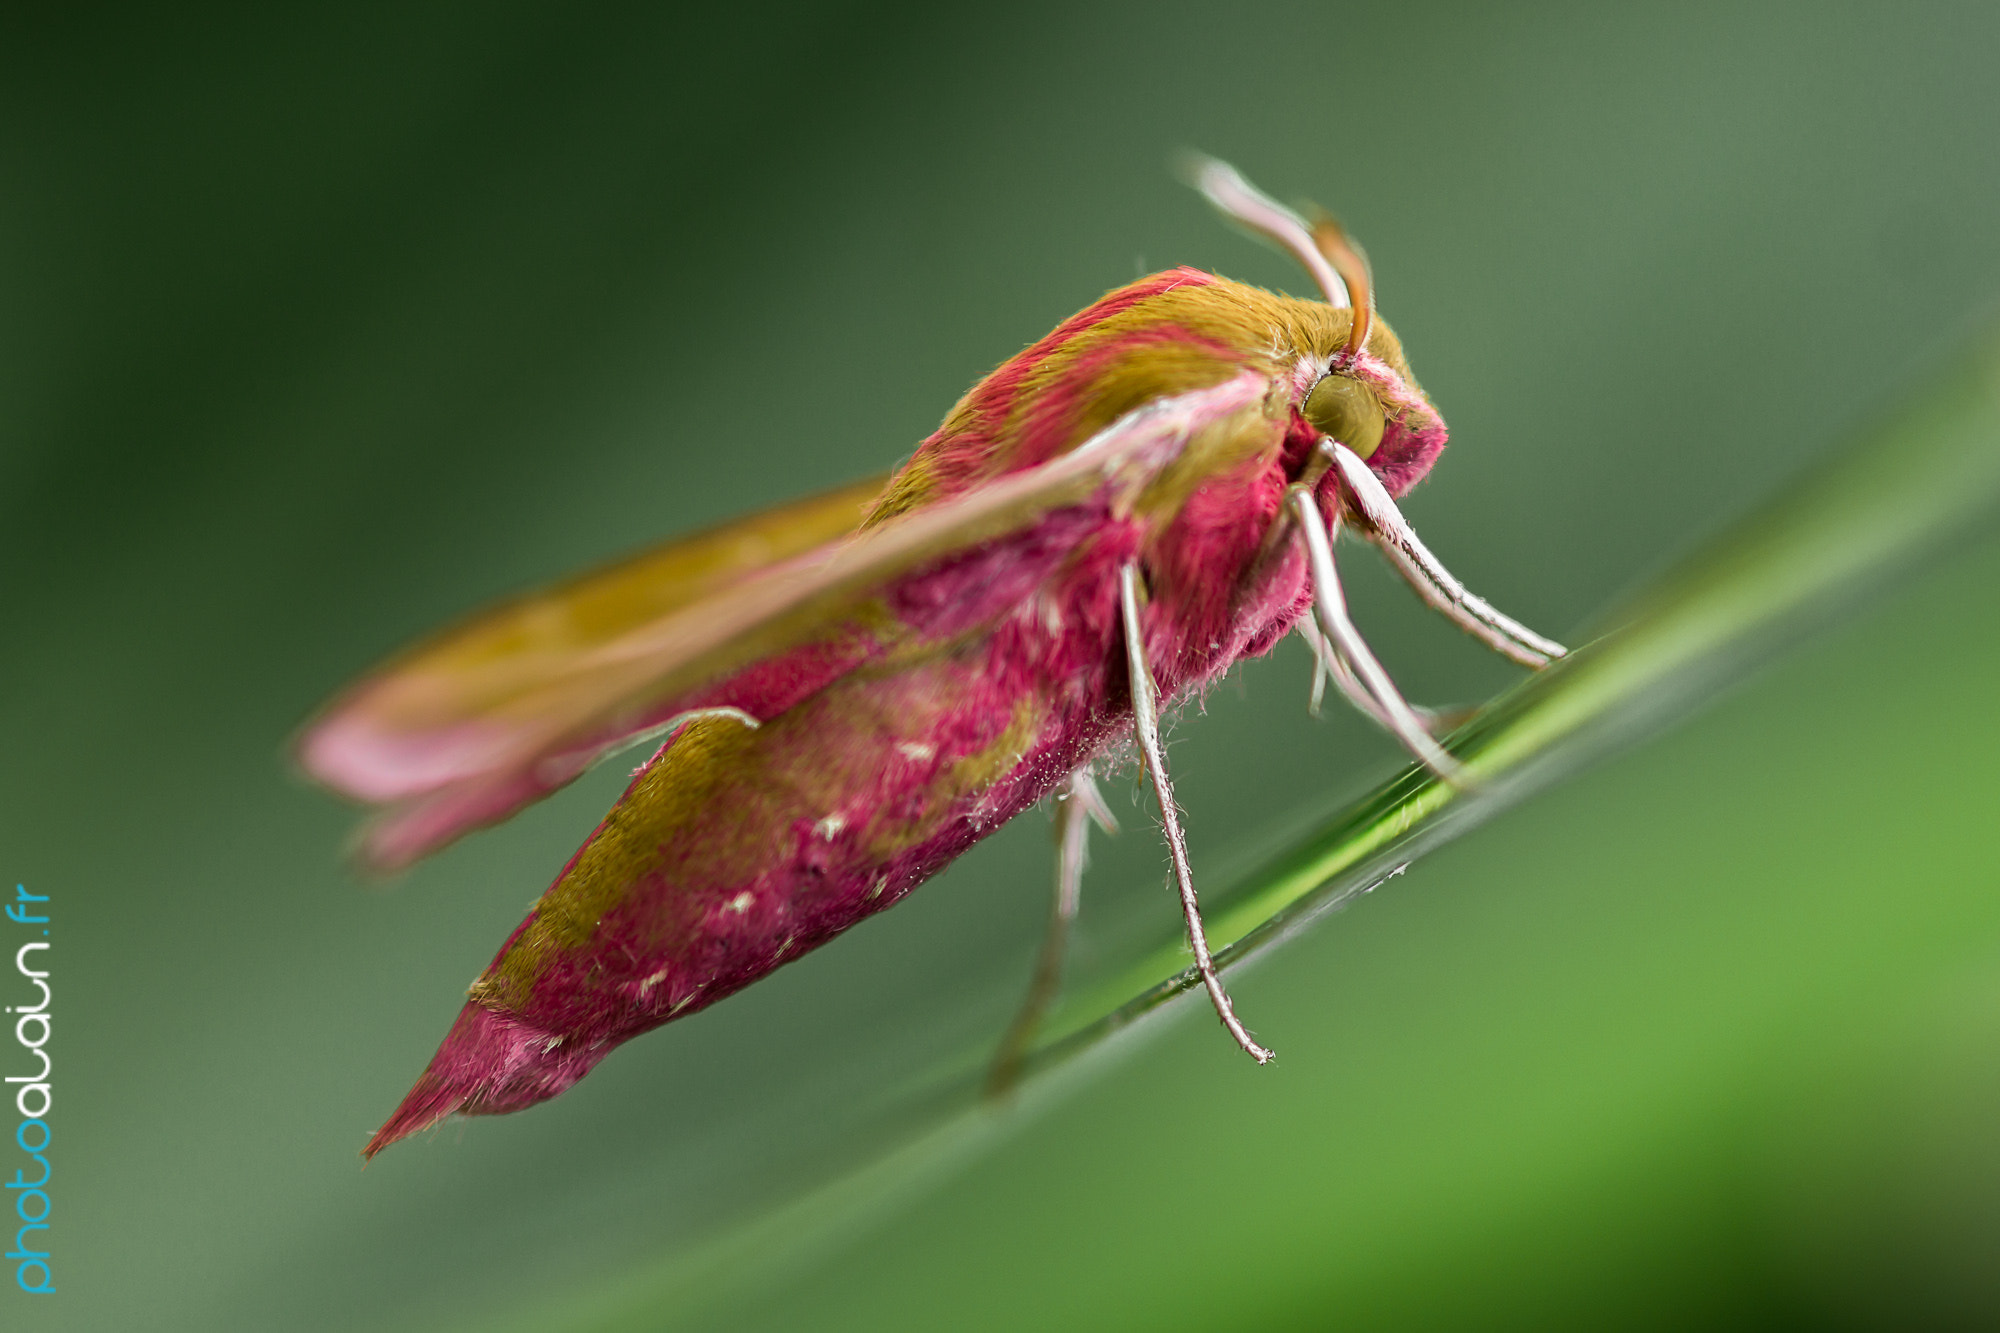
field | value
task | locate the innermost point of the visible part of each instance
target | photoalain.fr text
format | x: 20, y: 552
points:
x: 30, y: 1185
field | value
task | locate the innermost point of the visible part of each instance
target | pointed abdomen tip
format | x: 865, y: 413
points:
x: 490, y: 1063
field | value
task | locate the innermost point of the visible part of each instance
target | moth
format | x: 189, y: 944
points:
x: 850, y: 690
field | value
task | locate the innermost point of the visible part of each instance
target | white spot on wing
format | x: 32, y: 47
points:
x: 740, y: 903
x: 830, y: 827
x: 916, y: 751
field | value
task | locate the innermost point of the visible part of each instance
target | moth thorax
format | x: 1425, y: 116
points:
x: 1347, y: 410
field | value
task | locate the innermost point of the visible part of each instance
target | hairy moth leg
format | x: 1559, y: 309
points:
x: 1077, y: 807
x: 1386, y: 527
x: 1365, y: 682
x: 1146, y: 724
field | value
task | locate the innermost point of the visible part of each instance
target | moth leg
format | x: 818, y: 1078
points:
x: 1364, y: 682
x: 1077, y: 806
x: 1387, y: 528
x: 1329, y: 666
x: 1323, y: 668
x: 1146, y: 723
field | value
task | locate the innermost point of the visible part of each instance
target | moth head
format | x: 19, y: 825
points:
x: 1374, y: 409
x: 1339, y: 404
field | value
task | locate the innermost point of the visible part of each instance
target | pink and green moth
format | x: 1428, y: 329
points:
x: 852, y: 689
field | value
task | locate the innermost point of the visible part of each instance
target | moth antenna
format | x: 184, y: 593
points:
x: 1243, y: 203
x: 1385, y: 526
x: 1351, y: 262
x: 1077, y: 807
x: 1369, y: 687
x: 1146, y: 723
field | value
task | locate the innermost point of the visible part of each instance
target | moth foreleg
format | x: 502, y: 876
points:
x: 1386, y: 527
x: 1327, y: 665
x: 1078, y: 805
x: 1323, y: 663
x: 1146, y: 724
x: 1364, y: 682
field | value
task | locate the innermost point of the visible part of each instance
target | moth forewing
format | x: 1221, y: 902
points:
x: 403, y: 729
x: 437, y: 735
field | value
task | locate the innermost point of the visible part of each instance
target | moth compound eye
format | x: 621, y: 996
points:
x: 1348, y: 410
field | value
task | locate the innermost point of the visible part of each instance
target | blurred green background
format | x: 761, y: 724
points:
x: 318, y: 328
